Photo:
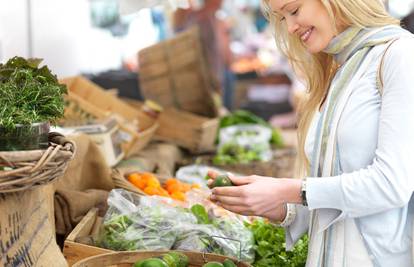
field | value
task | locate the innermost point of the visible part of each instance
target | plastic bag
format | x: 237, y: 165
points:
x: 134, y: 223
x: 244, y: 143
x: 222, y: 235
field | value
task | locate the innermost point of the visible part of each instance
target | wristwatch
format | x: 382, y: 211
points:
x: 303, y: 193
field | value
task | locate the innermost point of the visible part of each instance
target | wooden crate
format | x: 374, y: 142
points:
x: 193, y: 132
x: 174, y: 73
x: 79, y: 254
x: 96, y: 101
x: 75, y: 251
x: 127, y: 259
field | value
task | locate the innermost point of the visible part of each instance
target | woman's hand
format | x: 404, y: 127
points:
x: 257, y: 195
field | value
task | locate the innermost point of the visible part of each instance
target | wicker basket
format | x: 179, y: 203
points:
x: 127, y: 259
x: 35, y: 167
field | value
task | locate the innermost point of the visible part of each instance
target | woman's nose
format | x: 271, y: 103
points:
x: 292, y: 26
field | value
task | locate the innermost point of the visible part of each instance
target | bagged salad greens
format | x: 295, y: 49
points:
x: 135, y: 222
x: 243, y: 143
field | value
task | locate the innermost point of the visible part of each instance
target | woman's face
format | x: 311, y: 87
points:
x: 308, y: 20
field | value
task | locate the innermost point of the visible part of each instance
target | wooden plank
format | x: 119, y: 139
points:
x: 75, y: 252
x: 85, y: 226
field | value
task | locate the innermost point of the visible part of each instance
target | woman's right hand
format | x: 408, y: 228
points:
x: 254, y: 195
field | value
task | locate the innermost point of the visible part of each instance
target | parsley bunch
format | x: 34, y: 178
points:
x: 29, y: 94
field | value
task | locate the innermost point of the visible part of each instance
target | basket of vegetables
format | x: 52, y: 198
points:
x: 160, y: 259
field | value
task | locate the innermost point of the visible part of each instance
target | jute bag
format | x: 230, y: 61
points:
x: 27, y: 236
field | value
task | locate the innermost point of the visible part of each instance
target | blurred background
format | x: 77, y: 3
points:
x: 100, y: 39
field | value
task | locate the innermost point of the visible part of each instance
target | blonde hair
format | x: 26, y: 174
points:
x: 318, y: 69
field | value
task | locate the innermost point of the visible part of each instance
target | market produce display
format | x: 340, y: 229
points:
x: 270, y: 247
x: 170, y: 259
x: 135, y: 222
x: 246, y: 117
x: 177, y: 259
x: 151, y: 185
x: 243, y: 143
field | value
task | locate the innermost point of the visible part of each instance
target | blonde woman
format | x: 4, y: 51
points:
x: 356, y: 136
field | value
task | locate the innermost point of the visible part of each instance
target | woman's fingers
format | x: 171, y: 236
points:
x: 212, y: 174
x: 237, y: 209
x: 230, y: 191
x: 226, y: 200
x: 240, y: 180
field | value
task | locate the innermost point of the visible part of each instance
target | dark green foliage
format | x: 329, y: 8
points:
x: 271, y: 249
x: 28, y: 94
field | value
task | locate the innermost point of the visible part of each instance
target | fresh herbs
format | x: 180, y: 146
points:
x: 28, y: 94
x: 270, y: 247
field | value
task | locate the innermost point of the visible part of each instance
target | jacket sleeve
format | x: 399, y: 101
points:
x: 298, y: 227
x: 388, y: 182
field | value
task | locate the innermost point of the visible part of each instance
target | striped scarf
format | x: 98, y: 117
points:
x: 349, y: 49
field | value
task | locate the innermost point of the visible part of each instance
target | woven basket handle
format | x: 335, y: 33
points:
x: 59, y: 139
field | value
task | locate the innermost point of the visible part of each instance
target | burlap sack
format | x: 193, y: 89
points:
x: 72, y: 205
x: 27, y: 237
x: 84, y: 185
x: 88, y: 169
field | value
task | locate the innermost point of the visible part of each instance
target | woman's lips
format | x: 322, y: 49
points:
x: 306, y: 35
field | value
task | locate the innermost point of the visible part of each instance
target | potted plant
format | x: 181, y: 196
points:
x: 30, y: 99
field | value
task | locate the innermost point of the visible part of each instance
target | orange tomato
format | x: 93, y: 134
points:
x: 178, y: 196
x: 148, y: 176
x: 163, y: 192
x: 171, y: 181
x: 149, y: 190
x: 153, y: 181
x: 136, y: 180
x: 176, y: 187
x: 141, y: 183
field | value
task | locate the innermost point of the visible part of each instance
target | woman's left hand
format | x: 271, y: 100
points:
x: 257, y: 195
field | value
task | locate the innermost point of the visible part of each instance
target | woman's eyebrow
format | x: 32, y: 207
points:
x: 285, y: 5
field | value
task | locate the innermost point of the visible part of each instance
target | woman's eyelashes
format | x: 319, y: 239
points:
x: 291, y: 13
x: 295, y: 12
